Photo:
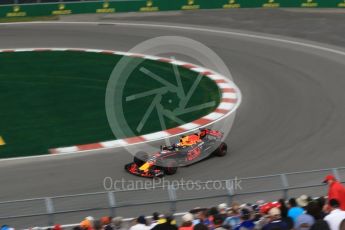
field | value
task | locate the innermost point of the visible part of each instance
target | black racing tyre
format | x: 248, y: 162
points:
x: 222, y: 150
x: 140, y: 158
x: 170, y: 167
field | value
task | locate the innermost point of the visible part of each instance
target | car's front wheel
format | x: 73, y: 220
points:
x: 170, y: 167
x: 140, y: 158
x: 222, y: 150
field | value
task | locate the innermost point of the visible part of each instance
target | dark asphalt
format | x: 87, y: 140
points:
x: 292, y: 116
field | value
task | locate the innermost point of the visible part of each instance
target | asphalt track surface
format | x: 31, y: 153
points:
x: 292, y: 116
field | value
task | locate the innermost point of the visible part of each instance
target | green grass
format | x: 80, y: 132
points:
x: 55, y: 99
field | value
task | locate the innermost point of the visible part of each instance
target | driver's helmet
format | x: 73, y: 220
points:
x: 189, y: 140
x: 202, y: 133
x: 183, y: 140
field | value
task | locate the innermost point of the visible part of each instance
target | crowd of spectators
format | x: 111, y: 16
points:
x: 303, y: 213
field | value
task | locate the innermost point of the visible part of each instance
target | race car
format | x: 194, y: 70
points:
x: 188, y: 150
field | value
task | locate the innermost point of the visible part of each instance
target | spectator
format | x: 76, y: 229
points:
x: 211, y: 213
x: 87, y: 223
x: 303, y: 201
x: 233, y: 218
x: 187, y: 222
x: 320, y: 225
x: 256, y: 212
x: 246, y: 222
x: 91, y: 219
x: 106, y: 222
x: 335, y: 190
x: 57, y: 227
x: 247, y: 206
x: 284, y: 214
x: 222, y: 210
x: 306, y: 220
x: 141, y: 224
x: 204, y: 219
x: 97, y: 225
x: 155, y: 218
x: 321, y: 201
x: 200, y: 226
x: 275, y: 221
x: 264, y: 210
x: 314, y: 210
x: 77, y: 228
x: 117, y: 223
x: 336, y: 215
x: 218, y: 222
x: 294, y: 210
x: 342, y: 225
x: 197, y: 212
x: 168, y: 224
x: 6, y: 227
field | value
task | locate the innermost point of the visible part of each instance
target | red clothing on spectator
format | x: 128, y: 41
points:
x: 337, y: 191
x: 186, y: 228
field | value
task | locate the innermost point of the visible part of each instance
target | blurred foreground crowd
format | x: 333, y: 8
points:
x: 302, y: 213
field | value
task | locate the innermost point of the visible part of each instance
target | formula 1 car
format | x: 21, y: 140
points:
x: 188, y: 150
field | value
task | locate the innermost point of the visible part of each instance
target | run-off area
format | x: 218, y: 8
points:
x: 51, y: 99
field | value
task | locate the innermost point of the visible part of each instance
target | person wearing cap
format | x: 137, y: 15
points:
x: 141, y: 224
x: 303, y: 201
x: 336, y: 215
x: 187, y: 222
x: 246, y: 220
x: 117, y: 223
x: 222, y: 210
x: 87, y: 223
x: 169, y: 223
x: 335, y: 190
x: 105, y: 220
x: 306, y: 220
x: 275, y: 221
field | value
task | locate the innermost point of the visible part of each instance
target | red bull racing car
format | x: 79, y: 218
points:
x: 190, y: 149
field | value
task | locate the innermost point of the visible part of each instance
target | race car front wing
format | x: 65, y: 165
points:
x: 151, y: 172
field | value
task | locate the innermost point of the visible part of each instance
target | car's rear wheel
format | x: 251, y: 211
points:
x: 222, y: 150
x: 140, y: 158
x: 170, y: 167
